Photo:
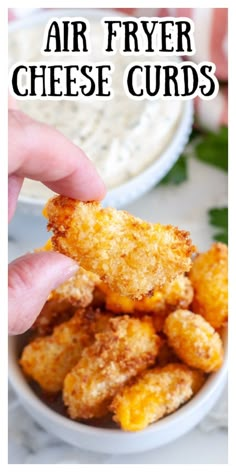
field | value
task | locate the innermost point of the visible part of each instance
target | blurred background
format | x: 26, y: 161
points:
x: 189, y: 192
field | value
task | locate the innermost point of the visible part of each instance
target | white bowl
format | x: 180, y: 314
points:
x: 135, y: 187
x: 108, y: 440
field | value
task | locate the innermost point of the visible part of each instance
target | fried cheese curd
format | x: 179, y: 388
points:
x: 62, y: 302
x: 153, y: 395
x: 194, y: 340
x: 48, y: 359
x: 52, y: 314
x: 209, y: 276
x: 131, y: 256
x: 127, y: 346
x: 176, y: 294
x: 78, y: 290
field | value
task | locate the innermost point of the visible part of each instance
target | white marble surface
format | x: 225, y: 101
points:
x: 30, y: 444
x: 185, y: 206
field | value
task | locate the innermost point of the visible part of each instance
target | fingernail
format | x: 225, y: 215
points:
x: 72, y: 269
x: 65, y: 274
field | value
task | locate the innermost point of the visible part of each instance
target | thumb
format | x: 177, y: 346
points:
x: 31, y: 278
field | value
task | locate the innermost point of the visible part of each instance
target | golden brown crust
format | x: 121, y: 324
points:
x: 132, y: 256
x: 123, y: 350
x: 209, y: 276
x: 194, y: 340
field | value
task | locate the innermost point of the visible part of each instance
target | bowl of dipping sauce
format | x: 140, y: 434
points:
x: 132, y: 143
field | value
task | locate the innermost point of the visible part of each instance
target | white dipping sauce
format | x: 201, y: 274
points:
x: 122, y: 136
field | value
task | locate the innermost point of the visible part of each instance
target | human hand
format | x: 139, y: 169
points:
x: 41, y: 153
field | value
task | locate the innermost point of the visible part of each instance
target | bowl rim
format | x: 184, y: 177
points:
x: 214, y: 383
x: 157, y: 168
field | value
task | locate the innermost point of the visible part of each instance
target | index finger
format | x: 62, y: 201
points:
x: 40, y: 152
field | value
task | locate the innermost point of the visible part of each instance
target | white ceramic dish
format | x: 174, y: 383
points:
x: 113, y: 440
x: 135, y: 187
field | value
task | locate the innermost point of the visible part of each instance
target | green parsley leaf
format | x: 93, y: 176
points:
x: 178, y: 173
x: 213, y: 148
x: 218, y: 217
x: 221, y: 237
